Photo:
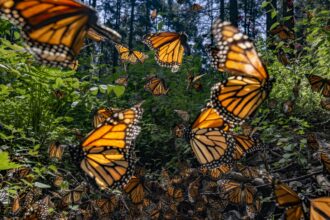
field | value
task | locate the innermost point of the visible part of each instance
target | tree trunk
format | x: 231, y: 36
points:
x: 245, y: 15
x: 288, y: 10
x: 269, y: 20
x: 115, y: 53
x: 222, y: 10
x: 131, y: 29
x: 233, y: 13
x: 94, y: 3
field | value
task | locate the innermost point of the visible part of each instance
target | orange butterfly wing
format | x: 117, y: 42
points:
x: 55, y: 30
x: 169, y: 48
x: 235, y: 53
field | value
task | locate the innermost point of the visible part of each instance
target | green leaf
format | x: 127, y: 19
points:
x: 41, y: 185
x: 264, y: 4
x: 119, y: 90
x: 5, y: 163
x: 94, y: 90
x: 58, y: 82
x: 273, y: 14
x: 274, y: 25
x: 160, y: 25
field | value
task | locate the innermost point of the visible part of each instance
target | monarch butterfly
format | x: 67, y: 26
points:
x: 244, y: 145
x: 55, y: 30
x: 193, y: 190
x: 283, y: 58
x: 105, y: 206
x: 320, y: 208
x: 247, y: 171
x: 184, y: 115
x: 102, y: 114
x: 283, y: 32
x: 193, y: 81
x: 216, y: 173
x: 325, y: 103
x: 210, y: 142
x: 156, y: 86
x: 196, y: 7
x: 253, y: 210
x: 19, y: 173
x: 319, y: 84
x: 135, y: 189
x: 239, y: 96
x: 74, y: 196
x: 122, y: 80
x: 56, y: 150
x: 175, y: 193
x: 39, y: 209
x: 131, y: 56
x: 58, y: 94
x: 153, y: 14
x: 325, y: 159
x: 105, y: 151
x: 289, y: 199
x: 16, y: 207
x: 58, y: 180
x: 169, y: 48
x: 237, y: 193
x: 31, y: 196
x: 179, y: 130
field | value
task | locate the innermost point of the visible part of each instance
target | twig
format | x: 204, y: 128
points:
x: 295, y: 179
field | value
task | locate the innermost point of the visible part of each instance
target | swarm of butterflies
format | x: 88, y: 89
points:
x: 54, y: 32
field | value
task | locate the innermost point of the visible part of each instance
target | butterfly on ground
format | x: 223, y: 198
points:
x: 325, y: 160
x: 236, y: 192
x: 135, y: 189
x: 239, y: 96
x: 105, y: 206
x: 216, y: 173
x: 122, y: 80
x: 39, y: 209
x: 105, y: 152
x: 283, y: 32
x: 54, y: 30
x: 169, y: 48
x: 209, y: 139
x: 156, y: 86
x: 287, y: 198
x: 194, y: 82
x: 56, y: 150
x: 247, y: 171
x: 320, y: 208
x: 319, y: 84
x: 73, y: 196
x: 128, y: 55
